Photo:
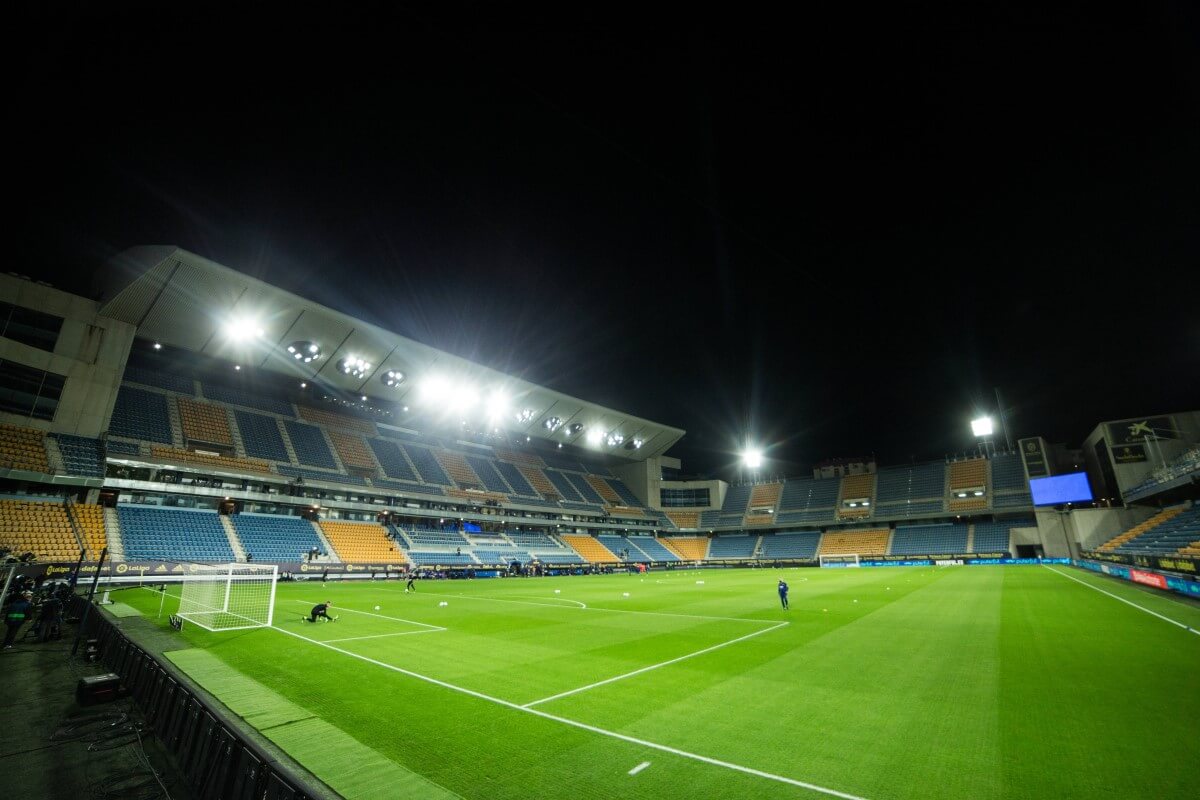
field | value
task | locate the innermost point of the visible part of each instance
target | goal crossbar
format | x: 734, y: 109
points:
x: 839, y: 560
x: 227, y: 597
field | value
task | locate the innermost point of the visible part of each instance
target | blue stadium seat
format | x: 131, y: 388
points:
x: 150, y: 532
x: 141, y: 414
x: 261, y: 436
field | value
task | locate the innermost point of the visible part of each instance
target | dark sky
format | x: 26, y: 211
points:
x: 834, y: 233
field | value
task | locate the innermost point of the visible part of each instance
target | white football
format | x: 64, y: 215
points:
x: 626, y: 594
x: 376, y: 608
x: 444, y: 603
x: 556, y: 591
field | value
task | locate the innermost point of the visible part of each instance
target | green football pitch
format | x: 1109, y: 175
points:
x: 956, y: 682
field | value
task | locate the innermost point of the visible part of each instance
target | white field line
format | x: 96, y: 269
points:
x: 639, y: 768
x: 654, y: 666
x: 382, y: 616
x: 1187, y: 628
x: 582, y: 725
x: 384, y: 635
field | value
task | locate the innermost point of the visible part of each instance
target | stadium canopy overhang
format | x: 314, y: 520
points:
x: 186, y: 301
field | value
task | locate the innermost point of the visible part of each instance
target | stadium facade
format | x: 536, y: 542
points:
x: 194, y: 413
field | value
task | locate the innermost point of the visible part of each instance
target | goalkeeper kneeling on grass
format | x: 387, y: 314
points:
x: 320, y: 610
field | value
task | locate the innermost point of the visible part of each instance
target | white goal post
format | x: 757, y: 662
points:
x: 839, y: 560
x: 229, y: 597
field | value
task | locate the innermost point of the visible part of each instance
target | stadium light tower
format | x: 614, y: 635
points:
x: 752, y: 460
x: 982, y: 427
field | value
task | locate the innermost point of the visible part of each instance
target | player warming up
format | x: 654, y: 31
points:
x: 409, y: 587
x: 783, y: 590
x: 320, y: 610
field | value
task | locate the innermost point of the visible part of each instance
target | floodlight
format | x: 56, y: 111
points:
x: 595, y: 435
x: 392, y: 378
x: 614, y: 439
x: 552, y: 424
x: 243, y: 329
x: 574, y: 428
x: 497, y: 405
x: 982, y: 426
x: 752, y: 458
x: 303, y: 351
x: 524, y: 415
x: 157, y: 346
x: 354, y: 366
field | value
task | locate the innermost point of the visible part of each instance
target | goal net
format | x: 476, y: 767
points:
x: 228, y: 597
x: 839, y: 560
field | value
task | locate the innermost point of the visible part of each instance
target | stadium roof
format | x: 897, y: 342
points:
x: 185, y: 301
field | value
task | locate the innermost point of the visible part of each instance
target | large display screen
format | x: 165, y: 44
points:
x: 1070, y: 488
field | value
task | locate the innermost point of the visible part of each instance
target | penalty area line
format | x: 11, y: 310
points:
x: 653, y: 666
x: 384, y: 635
x: 1187, y: 628
x: 716, y: 762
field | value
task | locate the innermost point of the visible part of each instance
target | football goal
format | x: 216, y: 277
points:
x: 228, y: 597
x: 839, y: 560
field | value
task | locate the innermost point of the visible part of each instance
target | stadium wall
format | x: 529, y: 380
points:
x: 90, y: 351
x: 1130, y: 458
x: 1095, y: 526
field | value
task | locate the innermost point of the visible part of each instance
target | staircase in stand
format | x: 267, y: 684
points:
x: 239, y: 552
x: 112, y: 531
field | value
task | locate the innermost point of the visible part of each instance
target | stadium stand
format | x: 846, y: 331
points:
x: 362, y: 541
x: 317, y: 475
x: 1168, y: 537
x: 967, y: 482
x: 538, y: 480
x: 309, y: 444
x: 229, y: 463
x: 606, y: 492
x: 90, y: 521
x: 562, y: 486
x: 799, y: 544
x: 392, y: 460
x: 585, y: 488
x: 204, y: 422
x: 515, y: 479
x: 1137, y: 530
x: 427, y: 466
x: 1009, y: 487
x: 260, y: 436
x: 764, y: 498
x: 808, y: 501
x: 275, y: 538
x: 589, y: 548
x: 81, y: 455
x: 916, y: 490
x: 255, y: 400
x: 141, y: 414
x: 326, y: 418
x: 653, y: 548
x: 455, y: 465
x: 117, y: 447
x: 160, y: 380
x: 684, y: 519
x: 689, y: 548
x: 353, y: 452
x: 996, y: 536
x: 173, y: 534
x: 38, y: 527
x: 486, y: 470
x: 855, y: 488
x: 732, y: 546
x: 23, y: 448
x: 627, y: 496
x: 927, y: 539
x: 865, y: 542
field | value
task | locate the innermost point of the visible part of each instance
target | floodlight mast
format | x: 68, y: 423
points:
x: 982, y: 427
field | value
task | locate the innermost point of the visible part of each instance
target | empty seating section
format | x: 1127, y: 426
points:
x: 394, y: 464
x: 333, y: 419
x: 141, y: 414
x: 917, y: 482
x: 275, y: 538
x: 709, y: 519
x: 808, y: 500
x: 653, y: 548
x: 38, y: 527
x: 405, y: 486
x: 431, y: 559
x: 172, y: 534
x: 432, y: 539
x: 309, y: 444
x: 577, y: 506
x: 519, y: 457
x: 485, y: 469
x: 589, y: 548
x: 476, y: 495
x: 204, y: 422
x: 159, y: 379
x: 1169, y: 536
x: 732, y: 546
x: 563, y: 486
x: 119, y: 448
x: 969, y: 474
x: 585, y: 489
x: 398, y: 433
x: 689, y: 548
x: 598, y: 469
x: 563, y: 463
x: 352, y: 451
x: 684, y: 519
x: 317, y: 475
x: 763, y: 496
x: 261, y: 436
x: 515, y: 479
x: 538, y: 480
x: 996, y: 536
x: 545, y: 547
x: 236, y: 397
x: 866, y: 542
x: 90, y: 521
x: 929, y: 539
x: 427, y: 466
x: 853, y: 489
x: 736, y: 500
x: 230, y: 463
x: 623, y: 491
x: 81, y: 455
x: 605, y: 490
x: 791, y: 545
x: 1008, y: 473
x: 456, y: 466
x: 1139, y: 529
x: 621, y: 547
x: 362, y: 541
x: 23, y: 448
x: 1012, y: 500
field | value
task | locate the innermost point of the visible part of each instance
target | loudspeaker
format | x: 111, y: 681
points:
x: 98, y: 689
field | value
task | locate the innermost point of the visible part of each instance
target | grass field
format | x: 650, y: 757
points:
x: 960, y: 682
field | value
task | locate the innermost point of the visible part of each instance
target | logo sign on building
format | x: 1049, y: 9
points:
x: 1128, y: 453
x: 1034, y: 454
x: 1136, y: 431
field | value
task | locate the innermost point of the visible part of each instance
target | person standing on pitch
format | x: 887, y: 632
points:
x: 783, y: 590
x: 412, y: 576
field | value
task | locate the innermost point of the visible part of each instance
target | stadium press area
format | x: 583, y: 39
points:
x: 198, y: 416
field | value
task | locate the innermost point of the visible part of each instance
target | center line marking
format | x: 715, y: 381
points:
x: 639, y: 768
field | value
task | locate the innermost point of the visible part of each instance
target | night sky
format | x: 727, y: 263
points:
x: 835, y: 233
